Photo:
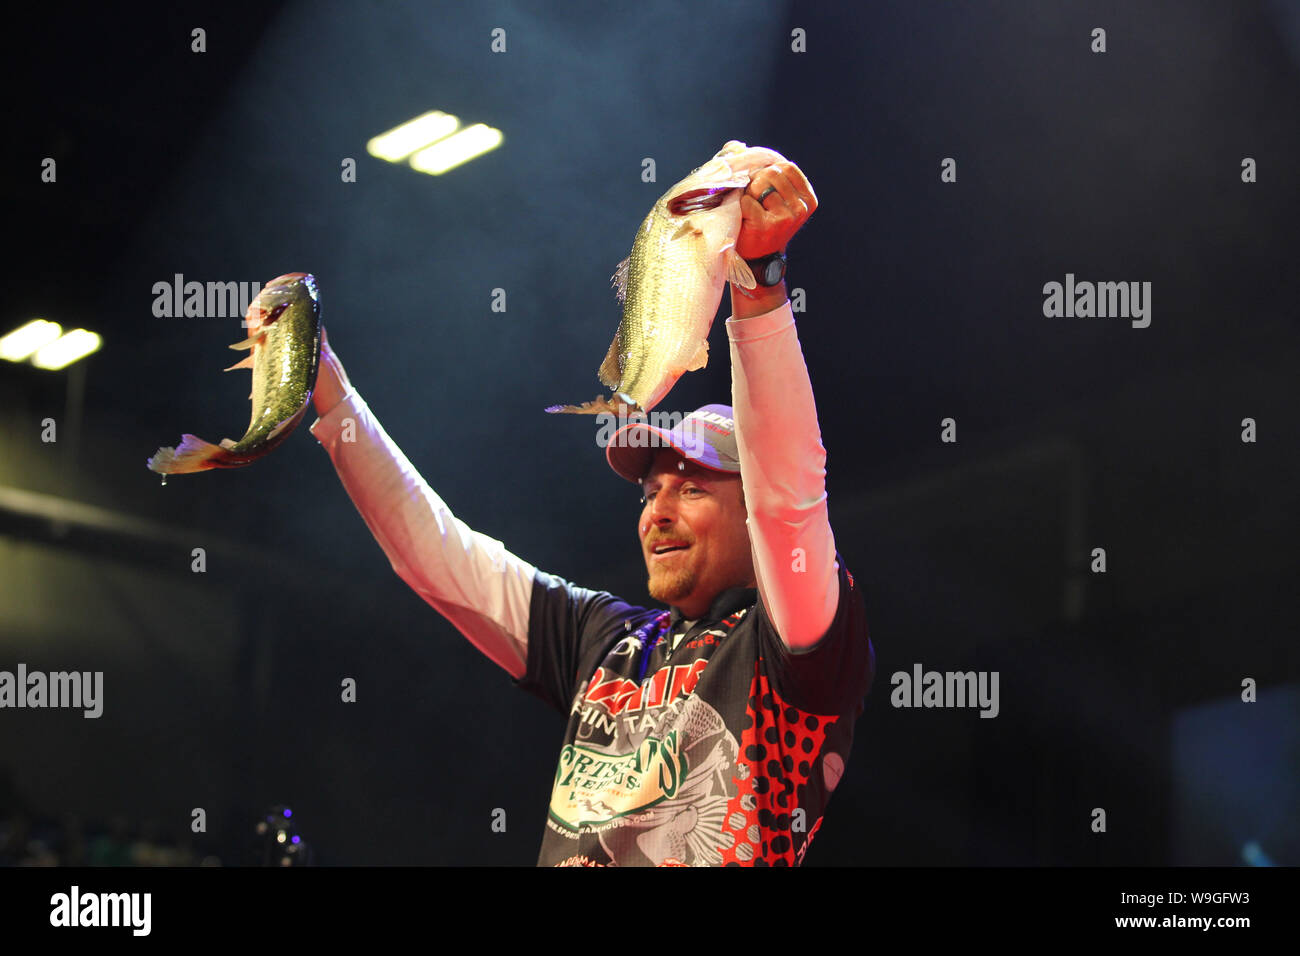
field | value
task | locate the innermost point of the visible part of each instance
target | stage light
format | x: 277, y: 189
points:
x: 24, y: 341
x: 401, y: 141
x: 451, y: 152
x: 64, y: 351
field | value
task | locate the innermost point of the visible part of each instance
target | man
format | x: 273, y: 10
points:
x: 712, y: 733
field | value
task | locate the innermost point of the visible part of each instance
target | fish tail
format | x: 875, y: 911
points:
x: 622, y: 406
x: 193, y: 454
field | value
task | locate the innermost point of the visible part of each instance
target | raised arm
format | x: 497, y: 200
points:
x: 782, y: 460
x: 468, y: 577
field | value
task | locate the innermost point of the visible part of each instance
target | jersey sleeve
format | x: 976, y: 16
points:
x: 570, y: 631
x: 837, y: 672
x: 783, y: 467
x: 468, y: 577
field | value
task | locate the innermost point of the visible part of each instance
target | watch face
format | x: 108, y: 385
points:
x: 773, y: 272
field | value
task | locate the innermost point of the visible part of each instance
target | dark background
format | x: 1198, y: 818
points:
x: 923, y: 301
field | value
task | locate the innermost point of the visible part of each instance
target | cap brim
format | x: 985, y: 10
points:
x: 633, y: 463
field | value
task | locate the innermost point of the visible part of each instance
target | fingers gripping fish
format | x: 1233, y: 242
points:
x: 670, y: 286
x: 283, y: 351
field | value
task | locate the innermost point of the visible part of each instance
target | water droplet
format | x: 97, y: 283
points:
x: 164, y: 479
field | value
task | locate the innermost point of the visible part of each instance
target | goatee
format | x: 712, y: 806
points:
x: 670, y: 586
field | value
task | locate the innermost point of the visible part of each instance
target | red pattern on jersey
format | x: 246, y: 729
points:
x: 752, y: 840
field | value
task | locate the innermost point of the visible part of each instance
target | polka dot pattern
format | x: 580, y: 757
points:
x: 778, y: 749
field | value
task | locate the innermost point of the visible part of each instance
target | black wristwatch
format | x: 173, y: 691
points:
x: 769, y: 270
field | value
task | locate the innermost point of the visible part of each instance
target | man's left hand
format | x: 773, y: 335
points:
x: 767, y: 227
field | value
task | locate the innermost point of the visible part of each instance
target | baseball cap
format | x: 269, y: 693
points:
x: 707, y: 436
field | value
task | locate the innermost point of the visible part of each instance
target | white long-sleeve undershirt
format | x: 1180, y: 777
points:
x: 486, y: 591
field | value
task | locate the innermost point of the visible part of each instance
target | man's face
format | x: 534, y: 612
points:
x: 703, y: 510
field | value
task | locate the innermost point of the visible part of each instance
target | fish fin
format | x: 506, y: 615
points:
x: 738, y: 270
x: 611, y: 369
x: 619, y: 279
x: 193, y: 454
x: 248, y: 343
x: 245, y: 362
x: 701, y: 357
x: 288, y: 425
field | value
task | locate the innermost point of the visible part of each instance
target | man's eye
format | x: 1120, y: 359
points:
x: 691, y: 490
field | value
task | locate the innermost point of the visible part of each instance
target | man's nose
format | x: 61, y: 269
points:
x: 663, y: 510
x: 663, y: 507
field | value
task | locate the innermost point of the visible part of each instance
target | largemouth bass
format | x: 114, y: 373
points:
x: 284, y: 353
x: 671, y: 284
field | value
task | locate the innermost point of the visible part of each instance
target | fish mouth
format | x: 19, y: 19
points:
x: 694, y: 200
x: 277, y: 296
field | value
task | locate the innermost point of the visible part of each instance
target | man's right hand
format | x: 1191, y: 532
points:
x: 331, y: 380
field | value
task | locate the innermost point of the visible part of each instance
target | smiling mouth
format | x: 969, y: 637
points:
x: 657, y: 554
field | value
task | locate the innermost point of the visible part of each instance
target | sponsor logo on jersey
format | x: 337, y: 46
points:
x: 594, y: 787
x: 617, y: 694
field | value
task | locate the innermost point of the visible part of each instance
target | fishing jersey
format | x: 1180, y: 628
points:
x: 691, y: 743
x: 715, y: 745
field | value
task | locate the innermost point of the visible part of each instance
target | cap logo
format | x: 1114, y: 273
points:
x: 716, y: 419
